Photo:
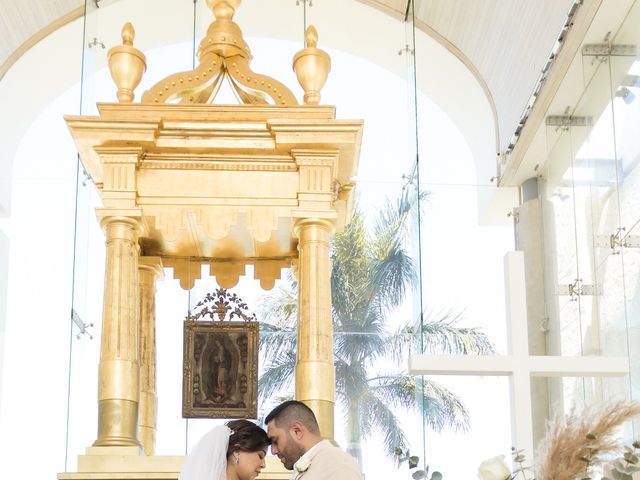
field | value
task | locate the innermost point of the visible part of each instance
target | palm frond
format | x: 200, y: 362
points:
x: 359, y: 337
x: 351, y: 382
x: 275, y: 340
x: 396, y: 390
x: 394, y: 271
x: 441, y: 408
x: 280, y: 307
x: 442, y: 336
x: 277, y: 376
x: 376, y: 415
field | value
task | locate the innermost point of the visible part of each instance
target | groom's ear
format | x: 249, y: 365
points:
x: 297, y: 429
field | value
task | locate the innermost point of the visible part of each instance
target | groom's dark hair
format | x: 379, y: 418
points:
x: 288, y: 412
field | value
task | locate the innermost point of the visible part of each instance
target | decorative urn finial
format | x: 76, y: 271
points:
x: 223, y: 53
x: 312, y: 67
x: 224, y: 37
x: 126, y: 64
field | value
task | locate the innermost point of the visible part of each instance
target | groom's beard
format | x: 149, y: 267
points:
x: 291, y: 454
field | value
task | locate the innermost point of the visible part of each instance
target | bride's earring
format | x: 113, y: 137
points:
x: 237, y: 460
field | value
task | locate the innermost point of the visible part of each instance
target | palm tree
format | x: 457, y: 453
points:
x: 372, y: 272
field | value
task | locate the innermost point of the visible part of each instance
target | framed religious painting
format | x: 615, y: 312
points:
x: 220, y: 373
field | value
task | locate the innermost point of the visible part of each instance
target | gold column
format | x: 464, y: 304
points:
x: 315, y: 372
x: 119, y: 370
x: 149, y: 269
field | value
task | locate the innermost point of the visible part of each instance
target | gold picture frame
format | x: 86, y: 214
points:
x: 220, y: 377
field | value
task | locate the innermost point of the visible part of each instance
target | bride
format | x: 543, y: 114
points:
x: 234, y: 451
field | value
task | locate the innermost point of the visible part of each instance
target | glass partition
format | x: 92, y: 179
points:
x: 102, y: 31
x: 418, y: 190
x: 625, y: 273
x: 461, y: 289
x: 589, y: 214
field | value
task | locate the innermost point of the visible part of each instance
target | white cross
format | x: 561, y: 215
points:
x: 518, y: 364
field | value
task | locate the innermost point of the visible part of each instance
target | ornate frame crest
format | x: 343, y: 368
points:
x: 220, y: 369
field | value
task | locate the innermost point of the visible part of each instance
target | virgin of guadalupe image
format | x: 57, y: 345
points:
x: 220, y: 370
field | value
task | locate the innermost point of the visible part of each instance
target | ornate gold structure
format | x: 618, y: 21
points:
x: 184, y: 183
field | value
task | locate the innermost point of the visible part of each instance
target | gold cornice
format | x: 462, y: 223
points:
x: 221, y: 180
x: 148, y: 200
x: 117, y: 111
x: 204, y: 161
x: 209, y: 128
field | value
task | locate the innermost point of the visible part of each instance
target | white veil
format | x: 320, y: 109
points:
x: 208, y: 459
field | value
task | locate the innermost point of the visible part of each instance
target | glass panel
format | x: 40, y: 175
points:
x: 625, y: 88
x: 597, y: 219
x: 558, y: 212
x: 87, y: 257
x: 489, y: 429
x: 462, y: 260
x: 102, y: 30
x: 581, y: 199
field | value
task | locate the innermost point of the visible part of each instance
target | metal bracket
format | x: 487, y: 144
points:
x: 607, y: 49
x: 86, y: 178
x: 617, y: 240
x: 95, y: 43
x: 568, y: 121
x: 578, y: 289
x: 81, y: 325
x: 406, y: 49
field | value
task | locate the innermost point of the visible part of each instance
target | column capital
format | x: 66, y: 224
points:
x: 128, y: 216
x: 152, y: 265
x: 324, y: 223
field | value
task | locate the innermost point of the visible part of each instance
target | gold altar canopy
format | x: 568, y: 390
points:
x: 185, y: 182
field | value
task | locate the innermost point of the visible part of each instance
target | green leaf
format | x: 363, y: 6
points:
x: 397, y: 451
x: 418, y: 474
x: 436, y: 476
x: 413, y: 461
x: 591, y: 436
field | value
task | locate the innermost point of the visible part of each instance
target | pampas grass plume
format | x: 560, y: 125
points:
x: 566, y: 440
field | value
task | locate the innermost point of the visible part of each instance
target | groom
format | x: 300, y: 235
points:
x: 295, y: 439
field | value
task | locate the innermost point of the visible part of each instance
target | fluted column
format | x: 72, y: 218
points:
x: 149, y: 269
x: 315, y: 372
x: 119, y: 370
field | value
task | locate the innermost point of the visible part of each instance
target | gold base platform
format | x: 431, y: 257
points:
x: 127, y: 463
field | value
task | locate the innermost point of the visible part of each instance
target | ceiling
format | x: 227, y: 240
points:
x: 504, y: 43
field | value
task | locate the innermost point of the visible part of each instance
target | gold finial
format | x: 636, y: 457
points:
x: 223, y: 8
x: 223, y: 52
x: 224, y: 37
x: 126, y: 64
x: 312, y: 67
x: 311, y: 37
x: 128, y: 34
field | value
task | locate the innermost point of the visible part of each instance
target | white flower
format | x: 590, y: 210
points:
x: 495, y: 468
x: 302, y: 465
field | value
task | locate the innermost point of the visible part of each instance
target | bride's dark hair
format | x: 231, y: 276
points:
x: 246, y: 436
